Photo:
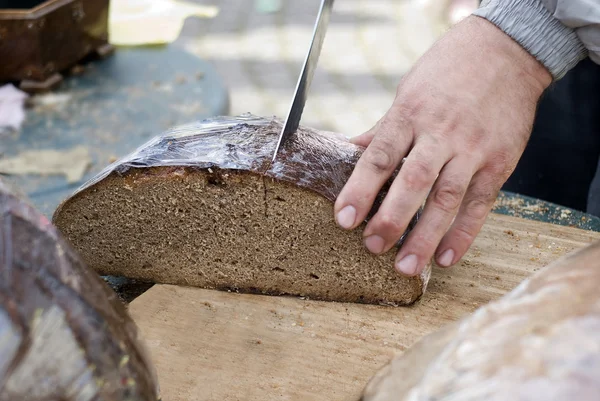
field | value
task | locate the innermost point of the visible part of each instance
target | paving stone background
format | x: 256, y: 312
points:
x: 369, y: 45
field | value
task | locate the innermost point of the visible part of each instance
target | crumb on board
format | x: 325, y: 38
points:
x: 519, y: 207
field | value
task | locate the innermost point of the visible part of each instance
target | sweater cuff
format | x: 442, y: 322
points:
x: 532, y: 25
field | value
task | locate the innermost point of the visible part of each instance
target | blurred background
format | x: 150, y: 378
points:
x: 258, y: 47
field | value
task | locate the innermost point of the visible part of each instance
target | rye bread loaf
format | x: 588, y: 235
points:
x: 202, y: 205
x: 539, y: 342
x: 64, y: 334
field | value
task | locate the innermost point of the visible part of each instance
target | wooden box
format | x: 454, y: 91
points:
x: 40, y: 39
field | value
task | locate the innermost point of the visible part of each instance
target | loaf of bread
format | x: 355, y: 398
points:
x: 64, y: 335
x: 202, y: 205
x: 539, y: 342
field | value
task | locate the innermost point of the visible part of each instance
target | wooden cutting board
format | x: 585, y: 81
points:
x: 213, y: 345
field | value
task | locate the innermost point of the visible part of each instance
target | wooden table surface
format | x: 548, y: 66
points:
x: 213, y: 345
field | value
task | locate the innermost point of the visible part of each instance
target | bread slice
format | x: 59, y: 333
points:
x: 203, y: 206
x: 539, y: 342
x: 64, y: 334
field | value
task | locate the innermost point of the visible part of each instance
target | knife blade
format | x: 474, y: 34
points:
x: 292, y: 120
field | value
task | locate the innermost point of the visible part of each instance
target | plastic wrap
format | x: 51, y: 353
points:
x: 539, y: 342
x: 64, y: 335
x: 315, y: 160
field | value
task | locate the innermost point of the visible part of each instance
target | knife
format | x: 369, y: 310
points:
x: 292, y: 120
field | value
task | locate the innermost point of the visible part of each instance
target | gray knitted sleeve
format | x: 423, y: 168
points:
x: 559, y: 33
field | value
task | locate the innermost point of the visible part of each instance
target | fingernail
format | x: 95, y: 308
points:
x: 446, y: 258
x: 375, y: 243
x: 346, y: 217
x: 407, y: 265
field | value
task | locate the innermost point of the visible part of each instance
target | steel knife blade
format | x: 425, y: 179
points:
x: 292, y: 120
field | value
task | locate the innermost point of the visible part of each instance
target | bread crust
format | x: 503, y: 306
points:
x: 65, y: 334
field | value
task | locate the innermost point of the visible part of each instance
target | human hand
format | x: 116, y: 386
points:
x: 461, y: 117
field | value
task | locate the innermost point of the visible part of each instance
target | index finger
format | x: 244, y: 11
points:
x: 406, y: 195
x: 376, y: 165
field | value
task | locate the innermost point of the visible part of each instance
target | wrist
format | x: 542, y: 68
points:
x: 504, y: 55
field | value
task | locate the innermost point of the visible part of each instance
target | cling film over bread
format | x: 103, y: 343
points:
x: 64, y: 335
x: 310, y: 159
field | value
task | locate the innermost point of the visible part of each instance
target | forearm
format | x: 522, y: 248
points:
x: 534, y: 25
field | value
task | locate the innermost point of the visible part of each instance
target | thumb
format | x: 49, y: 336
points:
x: 364, y: 139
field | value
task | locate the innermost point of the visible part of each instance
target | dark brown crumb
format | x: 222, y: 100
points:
x: 186, y: 227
